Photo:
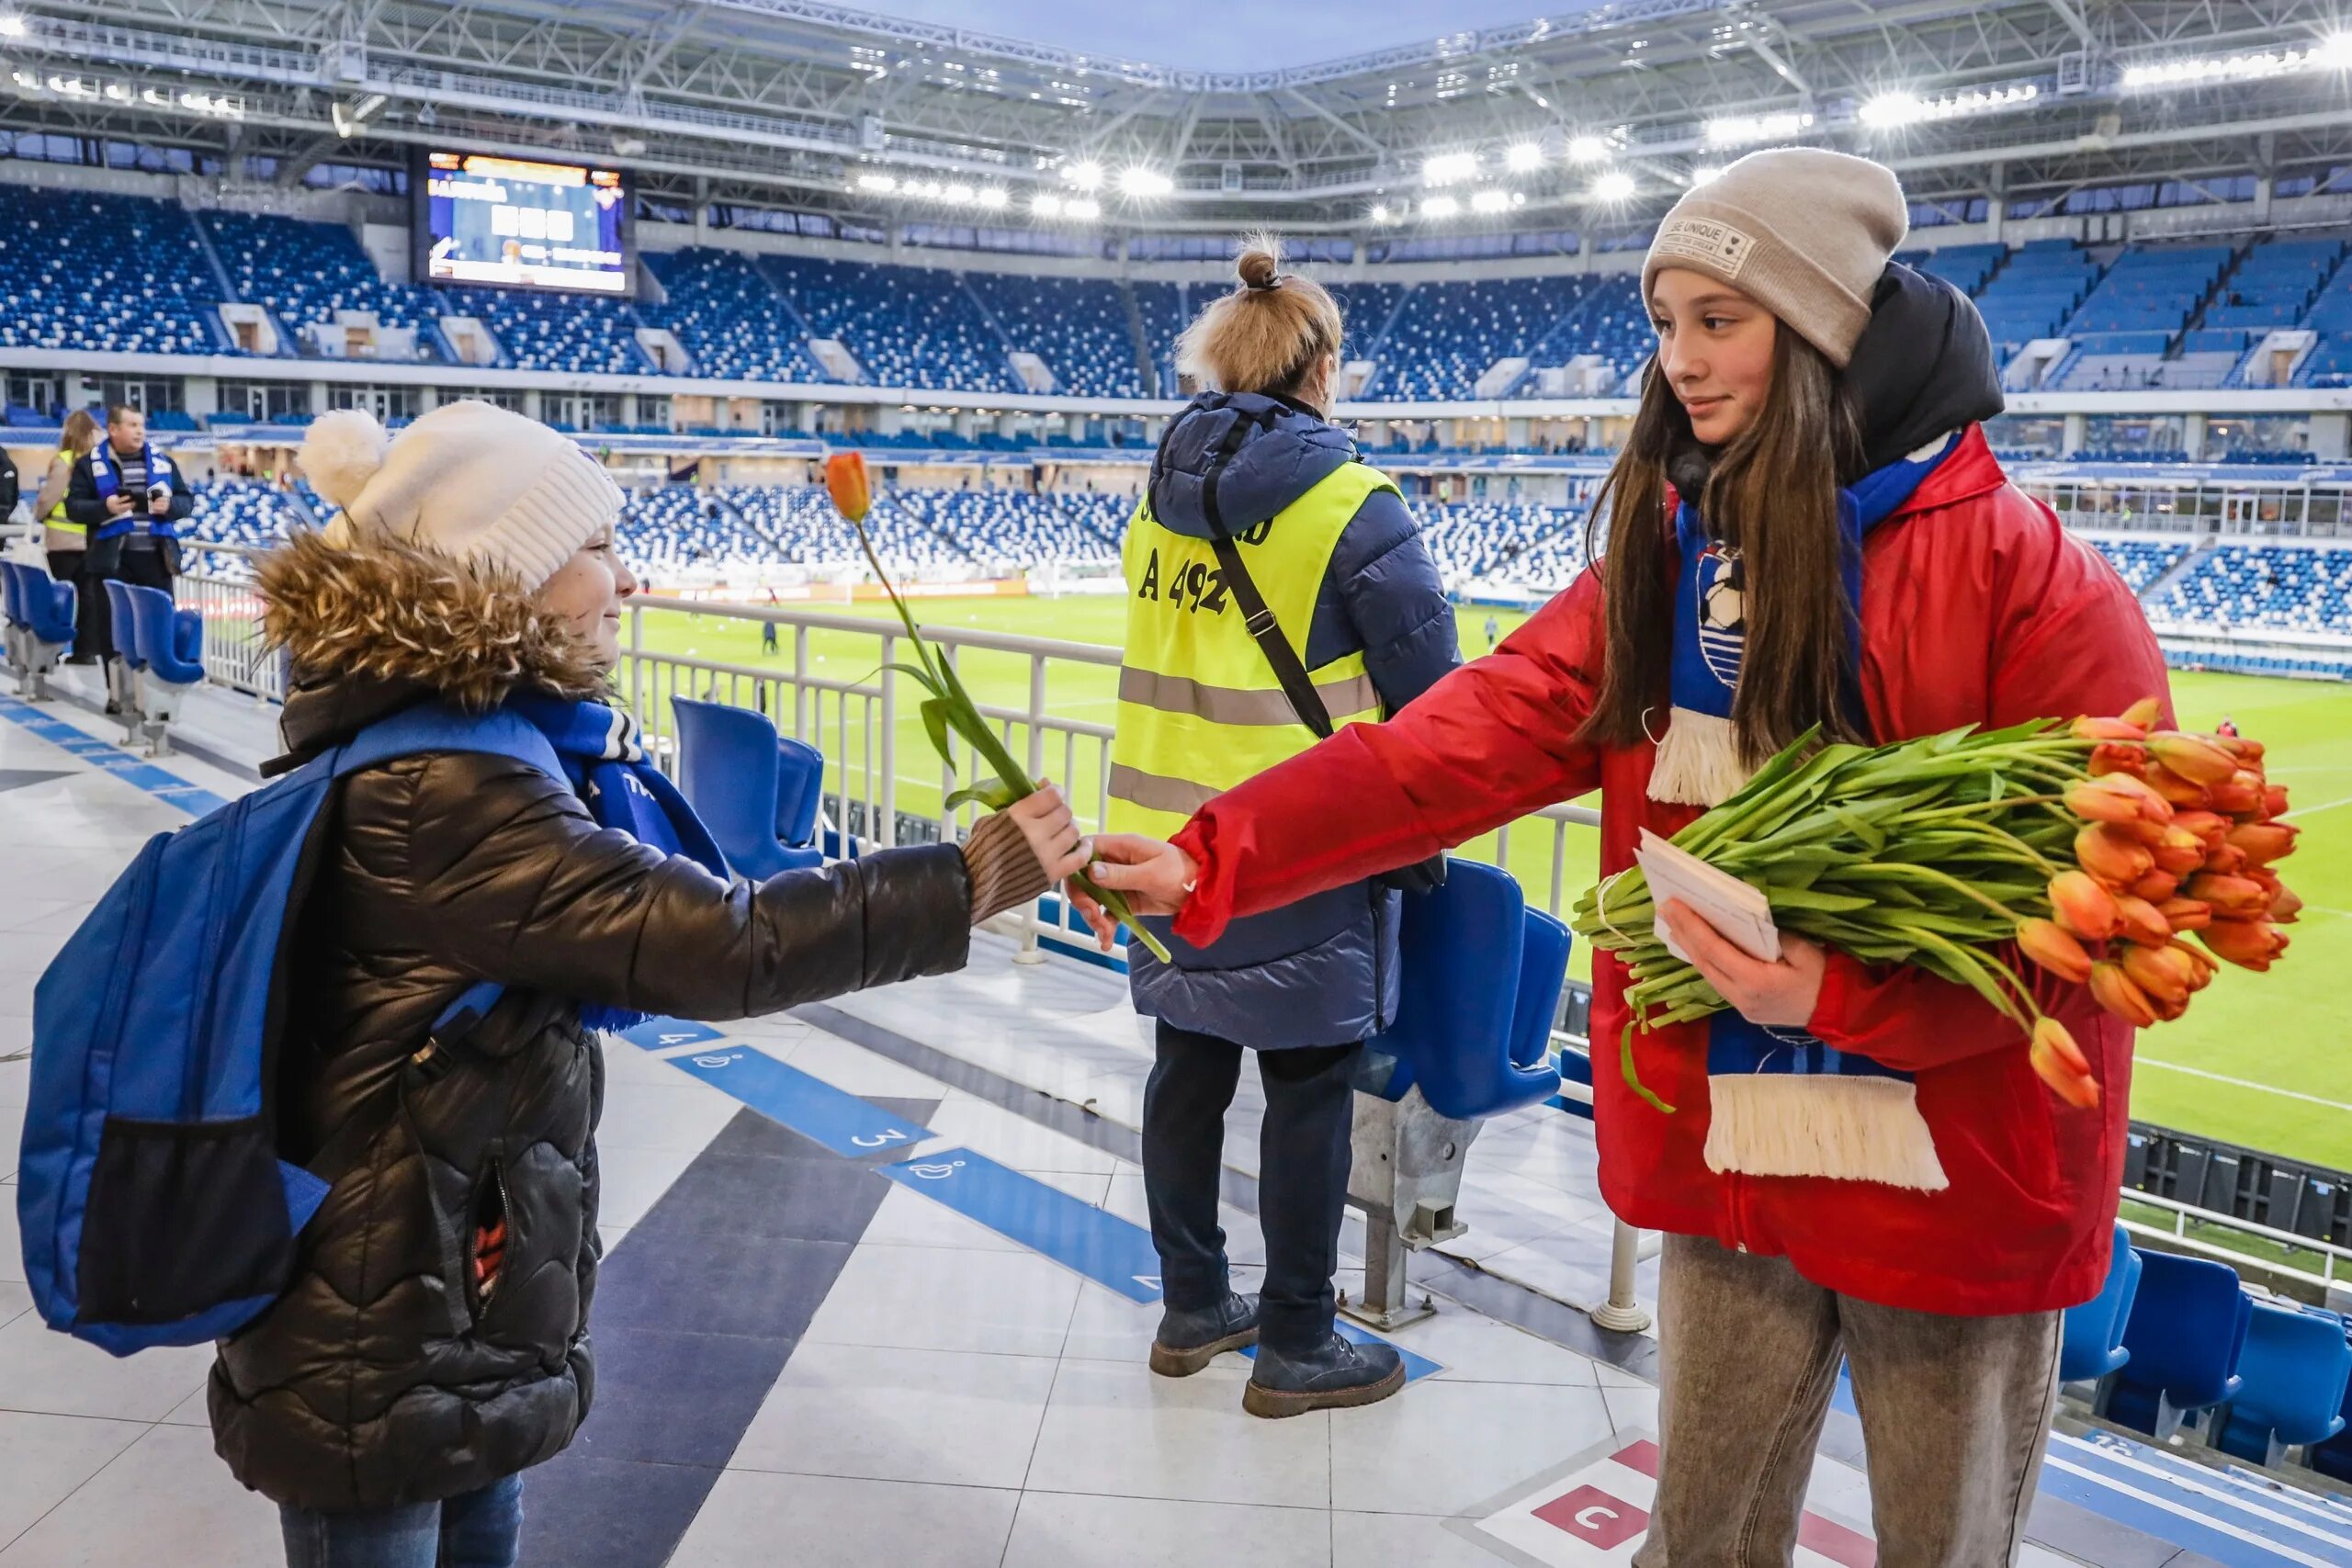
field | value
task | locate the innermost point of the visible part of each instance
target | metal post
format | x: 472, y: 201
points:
x: 1384, y: 1272
x: 1031, y: 953
x: 1622, y: 1313
x: 887, y: 834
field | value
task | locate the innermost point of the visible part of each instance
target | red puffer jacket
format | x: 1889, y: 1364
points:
x: 1977, y: 608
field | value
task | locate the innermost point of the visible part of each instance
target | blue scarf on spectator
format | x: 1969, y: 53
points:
x: 598, y: 744
x: 105, y: 474
x: 1783, y: 1102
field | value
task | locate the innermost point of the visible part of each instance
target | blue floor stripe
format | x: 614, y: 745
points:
x: 2199, y: 1533
x: 1114, y: 1253
x: 168, y: 787
x: 2107, y: 1457
x: 809, y: 1106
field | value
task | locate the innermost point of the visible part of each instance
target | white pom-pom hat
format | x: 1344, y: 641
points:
x: 468, y: 480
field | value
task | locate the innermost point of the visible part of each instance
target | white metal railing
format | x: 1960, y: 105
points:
x: 2335, y: 1262
x: 220, y: 589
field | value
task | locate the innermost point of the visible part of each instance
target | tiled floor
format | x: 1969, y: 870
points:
x: 804, y: 1364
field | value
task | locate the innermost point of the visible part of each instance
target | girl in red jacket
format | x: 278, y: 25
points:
x: 1807, y: 526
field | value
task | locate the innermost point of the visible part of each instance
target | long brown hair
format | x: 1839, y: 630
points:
x: 1268, y: 333
x: 1773, y: 495
x: 81, y: 432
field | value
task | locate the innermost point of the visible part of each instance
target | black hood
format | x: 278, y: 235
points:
x: 1266, y: 453
x: 1922, y: 369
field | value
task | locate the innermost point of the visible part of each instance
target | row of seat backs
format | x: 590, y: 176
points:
x: 38, y: 603
x: 757, y: 792
x: 2181, y: 1332
x: 155, y: 635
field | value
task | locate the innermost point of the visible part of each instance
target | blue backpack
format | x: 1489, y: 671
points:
x: 153, y: 1205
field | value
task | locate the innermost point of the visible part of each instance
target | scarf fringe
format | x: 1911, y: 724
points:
x: 1847, y: 1129
x: 1697, y: 761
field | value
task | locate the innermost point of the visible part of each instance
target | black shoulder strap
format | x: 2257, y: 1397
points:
x: 1264, y: 630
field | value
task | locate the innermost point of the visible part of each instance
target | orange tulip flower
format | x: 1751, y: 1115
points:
x: 2265, y: 842
x: 2060, y: 1063
x: 846, y: 482
x: 2142, y: 922
x: 2249, y: 944
x: 2113, y: 857
x: 2185, y: 914
x: 2054, y: 947
x: 2193, y: 757
x: 2082, y: 907
x: 2114, y: 990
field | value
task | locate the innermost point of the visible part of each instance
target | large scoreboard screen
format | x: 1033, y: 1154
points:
x: 515, y: 223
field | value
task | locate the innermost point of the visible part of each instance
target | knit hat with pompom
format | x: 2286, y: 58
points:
x: 475, y: 482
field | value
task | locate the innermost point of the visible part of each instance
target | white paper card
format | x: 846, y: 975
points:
x: 1739, y: 910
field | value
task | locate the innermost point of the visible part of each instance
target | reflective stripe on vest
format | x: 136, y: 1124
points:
x: 1200, y: 710
x: 57, y: 518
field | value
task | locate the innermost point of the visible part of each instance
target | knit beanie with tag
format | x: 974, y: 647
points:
x: 1802, y: 230
x: 470, y: 480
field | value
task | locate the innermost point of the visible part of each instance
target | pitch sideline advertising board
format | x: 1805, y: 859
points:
x: 501, y: 223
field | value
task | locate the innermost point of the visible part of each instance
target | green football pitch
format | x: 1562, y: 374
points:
x: 2260, y: 1060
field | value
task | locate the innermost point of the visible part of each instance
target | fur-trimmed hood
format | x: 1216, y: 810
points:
x: 386, y: 612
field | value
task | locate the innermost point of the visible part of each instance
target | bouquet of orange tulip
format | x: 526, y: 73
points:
x: 2089, y: 849
x: 949, y: 706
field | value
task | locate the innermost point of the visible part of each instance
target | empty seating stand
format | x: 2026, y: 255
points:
x: 2294, y: 1370
x: 757, y: 792
x: 2184, y: 1333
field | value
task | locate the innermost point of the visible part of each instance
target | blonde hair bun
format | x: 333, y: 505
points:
x: 1265, y: 336
x: 1261, y: 262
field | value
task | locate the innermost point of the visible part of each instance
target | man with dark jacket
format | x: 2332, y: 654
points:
x: 133, y: 500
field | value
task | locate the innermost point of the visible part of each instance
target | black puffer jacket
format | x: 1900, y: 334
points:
x: 380, y: 1378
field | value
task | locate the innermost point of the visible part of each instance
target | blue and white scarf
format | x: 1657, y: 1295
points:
x: 598, y: 747
x: 1783, y: 1102
x: 106, y: 473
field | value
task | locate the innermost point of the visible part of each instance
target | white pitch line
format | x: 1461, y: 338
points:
x: 2240, y: 1083
x: 2324, y: 805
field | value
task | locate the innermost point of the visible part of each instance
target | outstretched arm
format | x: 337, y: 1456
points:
x: 1490, y: 743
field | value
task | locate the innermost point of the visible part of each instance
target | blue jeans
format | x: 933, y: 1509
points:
x: 477, y: 1530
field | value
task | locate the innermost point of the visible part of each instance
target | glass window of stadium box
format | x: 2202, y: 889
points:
x: 35, y: 397
x: 496, y: 397
x: 2020, y: 436
x: 262, y: 400
x: 2131, y: 437
x: 149, y: 394
x: 387, y: 403
x: 584, y: 410
x: 2258, y: 437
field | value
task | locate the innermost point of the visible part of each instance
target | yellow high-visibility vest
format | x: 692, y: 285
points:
x: 1200, y: 710
x: 57, y: 518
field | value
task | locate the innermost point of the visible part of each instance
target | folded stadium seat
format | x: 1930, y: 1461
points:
x: 2093, y: 1346
x: 19, y: 623
x: 1482, y: 978
x: 122, y: 682
x: 2295, y: 1369
x: 171, y: 652
x: 48, y: 606
x: 2184, y: 1334
x: 757, y: 792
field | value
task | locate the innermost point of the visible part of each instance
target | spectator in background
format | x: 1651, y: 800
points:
x: 133, y: 500
x: 67, y: 541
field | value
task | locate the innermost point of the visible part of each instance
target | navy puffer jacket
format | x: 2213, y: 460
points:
x: 1323, y: 971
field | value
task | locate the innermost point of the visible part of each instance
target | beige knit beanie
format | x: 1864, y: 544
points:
x: 1802, y: 230
x: 468, y: 480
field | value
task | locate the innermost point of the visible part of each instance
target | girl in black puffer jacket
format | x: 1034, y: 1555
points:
x: 433, y: 1345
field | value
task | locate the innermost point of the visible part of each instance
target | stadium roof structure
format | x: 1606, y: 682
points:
x: 1586, y: 120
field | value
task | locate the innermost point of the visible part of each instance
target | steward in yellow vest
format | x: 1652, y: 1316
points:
x: 1342, y: 567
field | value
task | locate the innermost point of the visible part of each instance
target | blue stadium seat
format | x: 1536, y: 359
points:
x: 1077, y: 325
x: 2094, y: 1335
x: 2295, y: 1369
x: 2184, y: 1335
x: 170, y: 664
x: 1482, y: 978
x: 2286, y: 588
x: 757, y: 792
x: 730, y: 318
x: 118, y: 274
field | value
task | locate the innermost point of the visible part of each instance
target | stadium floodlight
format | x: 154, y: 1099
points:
x: 1746, y: 130
x: 1085, y: 175
x: 1139, y: 182
x: 1491, y: 201
x: 1448, y: 168
x: 882, y: 185
x: 1045, y: 204
x: 1439, y: 207
x: 1380, y: 212
x: 12, y: 26
x: 993, y: 197
x: 2332, y: 52
x: 957, y: 195
x: 1587, y: 149
x: 1892, y: 111
x: 1521, y: 156
x: 1085, y: 209
x: 1705, y: 173
x: 1614, y: 185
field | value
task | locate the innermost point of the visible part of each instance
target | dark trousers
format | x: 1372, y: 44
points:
x: 65, y: 565
x: 141, y: 568
x: 1302, y: 1176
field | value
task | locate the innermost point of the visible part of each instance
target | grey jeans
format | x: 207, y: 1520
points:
x: 1955, y: 1412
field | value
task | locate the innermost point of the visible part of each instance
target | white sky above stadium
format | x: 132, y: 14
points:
x: 1227, y: 37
